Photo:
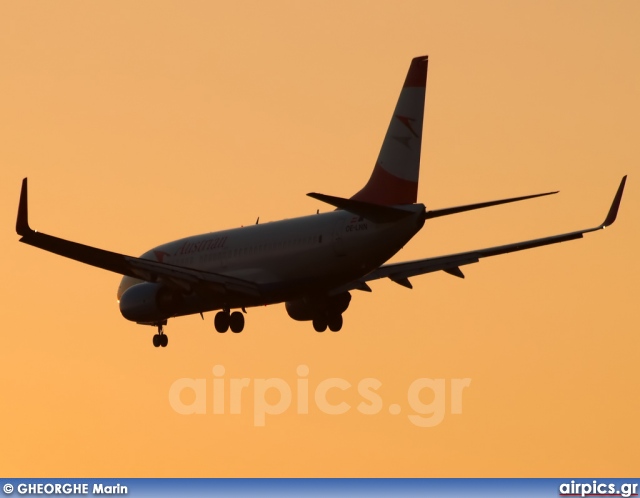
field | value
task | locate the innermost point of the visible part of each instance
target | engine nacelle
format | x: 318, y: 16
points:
x: 308, y: 308
x: 149, y: 303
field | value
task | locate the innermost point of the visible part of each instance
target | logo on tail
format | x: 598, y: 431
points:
x: 395, y: 176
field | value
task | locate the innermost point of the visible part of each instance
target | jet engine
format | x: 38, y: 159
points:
x: 149, y: 303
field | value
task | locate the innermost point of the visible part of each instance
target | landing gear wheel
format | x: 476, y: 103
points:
x: 160, y: 339
x: 335, y: 322
x: 236, y: 322
x: 320, y: 324
x: 221, y: 321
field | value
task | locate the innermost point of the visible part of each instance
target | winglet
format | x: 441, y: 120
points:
x: 615, y: 205
x: 22, y: 223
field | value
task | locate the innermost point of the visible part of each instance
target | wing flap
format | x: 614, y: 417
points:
x: 188, y: 278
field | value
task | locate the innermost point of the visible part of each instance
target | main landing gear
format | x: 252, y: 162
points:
x: 331, y: 320
x: 160, y: 339
x: 225, y: 320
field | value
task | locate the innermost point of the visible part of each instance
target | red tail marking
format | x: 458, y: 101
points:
x: 387, y: 190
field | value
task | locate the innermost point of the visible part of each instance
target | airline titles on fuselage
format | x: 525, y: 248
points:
x: 202, y: 246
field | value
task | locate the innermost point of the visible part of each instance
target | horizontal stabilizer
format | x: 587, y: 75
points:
x: 469, y: 207
x: 372, y: 212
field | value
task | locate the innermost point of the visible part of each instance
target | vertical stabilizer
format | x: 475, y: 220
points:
x: 395, y: 176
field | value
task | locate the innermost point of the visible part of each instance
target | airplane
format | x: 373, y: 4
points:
x: 310, y: 263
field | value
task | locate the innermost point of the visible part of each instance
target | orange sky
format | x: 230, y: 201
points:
x: 142, y: 122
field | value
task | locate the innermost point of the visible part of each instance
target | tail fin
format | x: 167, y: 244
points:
x: 395, y: 177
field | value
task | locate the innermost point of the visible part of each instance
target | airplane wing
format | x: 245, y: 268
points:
x: 400, y: 272
x: 183, y: 279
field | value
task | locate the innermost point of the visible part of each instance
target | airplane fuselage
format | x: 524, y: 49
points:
x: 288, y: 259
